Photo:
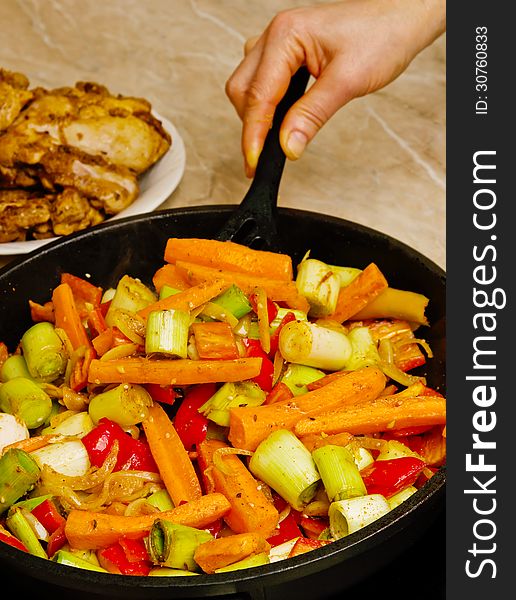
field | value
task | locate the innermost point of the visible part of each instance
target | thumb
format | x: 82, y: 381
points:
x: 306, y: 117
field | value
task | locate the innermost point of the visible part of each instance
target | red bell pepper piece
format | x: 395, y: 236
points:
x: 279, y: 392
x: 387, y: 477
x: 264, y: 378
x: 10, y: 540
x: 56, y: 540
x: 116, y: 557
x: 48, y: 515
x: 289, y: 317
x: 215, y: 528
x: 132, y: 454
x: 305, y: 545
x: 135, y: 549
x: 190, y: 424
x: 313, y: 526
x: 272, y: 309
x: 166, y: 394
x: 287, y: 530
x: 96, y: 322
x: 83, y: 289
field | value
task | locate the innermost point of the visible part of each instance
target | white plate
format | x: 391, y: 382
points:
x: 155, y: 187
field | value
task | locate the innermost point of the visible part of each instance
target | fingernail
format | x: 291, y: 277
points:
x: 296, y: 144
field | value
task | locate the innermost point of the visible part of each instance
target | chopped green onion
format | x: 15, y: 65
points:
x: 166, y: 291
x: 345, y: 274
x: 14, y: 366
x: 401, y: 496
x: 231, y: 395
x: 339, y: 473
x: 309, y: 344
x: 24, y: 398
x: 297, y: 377
x: 127, y: 404
x: 130, y: 295
x: 234, y: 301
x: 320, y: 285
x: 173, y: 545
x: 44, y: 352
x: 18, y: 474
x: 167, y: 332
x: 284, y: 463
x: 348, y: 516
x: 161, y: 500
x: 255, y: 560
x: 19, y: 526
x: 64, y: 557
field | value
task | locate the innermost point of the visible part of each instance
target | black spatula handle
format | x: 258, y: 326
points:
x: 254, y: 221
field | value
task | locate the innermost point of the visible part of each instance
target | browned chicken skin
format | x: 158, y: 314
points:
x: 80, y: 143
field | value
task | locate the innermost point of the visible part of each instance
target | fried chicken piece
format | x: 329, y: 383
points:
x: 108, y: 188
x: 14, y: 95
x: 20, y: 212
x: 72, y: 212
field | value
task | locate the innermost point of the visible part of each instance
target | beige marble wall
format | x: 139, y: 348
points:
x: 380, y: 161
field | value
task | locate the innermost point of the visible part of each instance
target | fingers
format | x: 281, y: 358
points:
x: 322, y: 100
x: 250, y: 44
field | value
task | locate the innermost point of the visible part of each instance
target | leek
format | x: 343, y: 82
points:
x: 12, y: 429
x: 130, y: 295
x: 161, y: 500
x: 68, y: 457
x: 363, y: 349
x: 231, y: 395
x: 298, y: 314
x: 24, y: 398
x: 284, y: 463
x: 401, y: 496
x: 174, y: 545
x: 339, y: 473
x: 14, y: 366
x: 44, y: 352
x: 167, y: 332
x: 64, y: 557
x: 297, y: 377
x: 345, y: 274
x: 255, y: 560
x: 348, y: 516
x: 320, y: 285
x: 234, y: 301
x: 166, y: 291
x: 19, y: 526
x: 309, y: 344
x: 218, y: 313
x: 19, y: 472
x: 77, y: 425
x: 127, y: 404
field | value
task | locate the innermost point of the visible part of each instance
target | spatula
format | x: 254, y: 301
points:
x: 254, y: 222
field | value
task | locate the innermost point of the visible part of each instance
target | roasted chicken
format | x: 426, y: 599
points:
x: 78, y: 147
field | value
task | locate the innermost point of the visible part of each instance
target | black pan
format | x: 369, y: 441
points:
x: 135, y: 245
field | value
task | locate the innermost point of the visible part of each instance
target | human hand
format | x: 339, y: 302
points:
x: 351, y: 48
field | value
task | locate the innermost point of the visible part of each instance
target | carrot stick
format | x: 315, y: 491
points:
x: 396, y: 304
x: 276, y: 289
x: 168, y: 275
x: 188, y: 299
x: 224, y: 551
x: 174, y: 464
x: 251, y: 511
x: 382, y: 414
x: 86, y: 529
x: 33, y: 443
x: 172, y: 371
x: 67, y: 317
x: 362, y: 290
x: 250, y: 425
x: 315, y: 440
x: 229, y: 256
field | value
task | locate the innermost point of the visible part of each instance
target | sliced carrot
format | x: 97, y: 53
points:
x: 174, y: 464
x: 386, y: 413
x: 276, y: 289
x: 67, y: 317
x: 171, y: 371
x: 188, y: 299
x: 229, y: 256
x: 250, y: 425
x: 251, y: 511
x: 168, y: 275
x: 33, y: 443
x: 315, y: 440
x: 227, y: 550
x: 359, y: 293
x: 86, y: 529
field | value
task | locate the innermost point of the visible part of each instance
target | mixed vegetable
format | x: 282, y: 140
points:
x: 228, y: 414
